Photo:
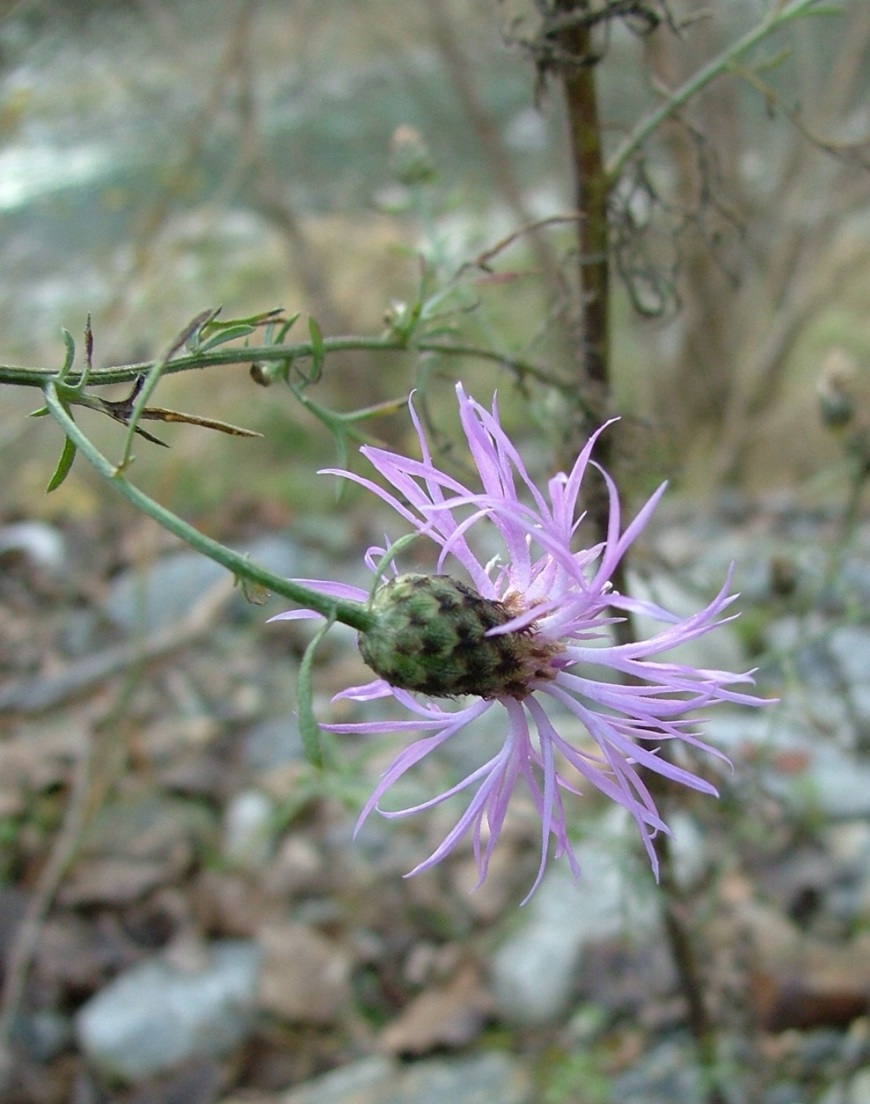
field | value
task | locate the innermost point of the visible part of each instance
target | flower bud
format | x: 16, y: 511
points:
x: 410, y: 158
x: 836, y: 389
x: 430, y: 635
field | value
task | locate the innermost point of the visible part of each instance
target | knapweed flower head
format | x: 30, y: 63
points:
x: 528, y: 632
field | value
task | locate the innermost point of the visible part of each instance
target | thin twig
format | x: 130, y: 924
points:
x: 718, y: 65
x: 684, y: 956
x: 26, y: 940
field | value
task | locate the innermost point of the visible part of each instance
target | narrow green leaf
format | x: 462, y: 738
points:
x: 820, y: 9
x: 190, y: 336
x: 341, y: 461
x: 214, y: 326
x: 69, y: 342
x: 773, y: 61
x: 384, y: 562
x: 63, y: 466
x: 287, y: 327
x: 224, y: 335
x: 318, y: 349
x: 309, y: 729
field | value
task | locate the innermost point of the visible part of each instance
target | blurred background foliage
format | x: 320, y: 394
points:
x: 159, y: 157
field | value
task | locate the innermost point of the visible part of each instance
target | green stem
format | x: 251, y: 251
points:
x: 349, y: 613
x: 275, y: 354
x: 778, y: 15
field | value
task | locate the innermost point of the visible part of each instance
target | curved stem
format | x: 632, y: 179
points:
x: 781, y: 13
x: 349, y: 613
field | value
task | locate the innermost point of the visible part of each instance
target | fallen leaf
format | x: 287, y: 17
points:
x: 448, y: 1016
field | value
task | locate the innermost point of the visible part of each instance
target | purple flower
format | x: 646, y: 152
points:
x: 525, y: 627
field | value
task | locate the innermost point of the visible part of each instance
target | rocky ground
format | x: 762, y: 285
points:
x: 185, y: 917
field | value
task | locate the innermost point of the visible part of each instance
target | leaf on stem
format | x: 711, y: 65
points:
x: 384, y: 562
x: 309, y: 729
x: 213, y: 333
x: 122, y: 410
x: 145, y: 385
x: 70, y: 355
x: 286, y: 326
x: 159, y: 414
x: 64, y: 464
x: 318, y: 350
x: 189, y: 337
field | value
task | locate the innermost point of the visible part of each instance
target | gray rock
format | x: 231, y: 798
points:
x: 785, y: 1092
x: 666, y: 1074
x: 272, y: 742
x: 856, y: 1090
x: 847, y: 848
x: 839, y: 783
x: 478, y: 1080
x: 835, y: 661
x: 855, y: 573
x: 44, y: 1033
x: 834, y: 782
x: 363, y: 1082
x: 165, y: 592
x: 535, y: 969
x: 39, y: 542
x: 849, y: 646
x: 278, y: 552
x: 248, y: 829
x: 859, y: 1087
x: 481, y: 1079
x: 801, y: 641
x: 134, y: 844
x: 155, y: 1016
x: 689, y: 850
x: 140, y: 601
x: 306, y: 976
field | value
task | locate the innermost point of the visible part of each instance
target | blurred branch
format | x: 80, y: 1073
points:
x: 778, y: 16
x: 270, y: 195
x: 190, y: 148
x: 24, y: 946
x: 846, y: 80
x: 485, y: 130
x: 765, y: 360
x: 805, y: 258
